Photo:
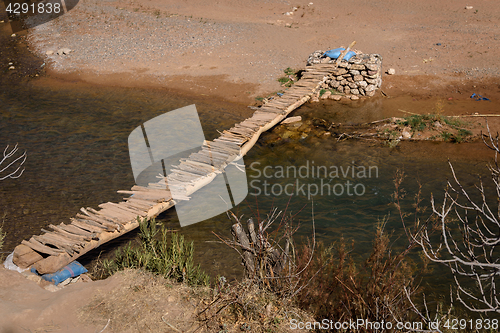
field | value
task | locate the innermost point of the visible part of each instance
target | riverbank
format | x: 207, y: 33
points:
x: 238, y: 50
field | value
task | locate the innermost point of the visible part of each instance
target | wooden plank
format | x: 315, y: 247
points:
x: 77, y: 231
x: 44, y: 239
x: 121, y: 205
x: 68, y: 234
x: 110, y: 226
x: 122, y: 212
x: 39, y: 247
x: 86, y: 226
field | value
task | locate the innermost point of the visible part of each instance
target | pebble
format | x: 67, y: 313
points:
x: 63, y: 51
x: 13, y: 35
x: 354, y: 98
x: 468, y: 7
x: 406, y: 133
x: 12, y: 67
x: 326, y: 95
x: 335, y: 97
x: 391, y: 71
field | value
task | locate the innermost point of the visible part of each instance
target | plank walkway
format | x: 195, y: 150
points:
x: 90, y: 228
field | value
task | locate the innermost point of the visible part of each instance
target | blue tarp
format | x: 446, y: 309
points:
x: 335, y: 53
x: 71, y: 270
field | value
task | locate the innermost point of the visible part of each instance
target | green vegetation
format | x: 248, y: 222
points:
x: 290, y: 78
x: 159, y: 253
x: 321, y: 92
x: 420, y: 122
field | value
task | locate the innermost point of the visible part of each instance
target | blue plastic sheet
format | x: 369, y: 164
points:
x: 335, y: 53
x: 71, y: 270
x: 478, y: 97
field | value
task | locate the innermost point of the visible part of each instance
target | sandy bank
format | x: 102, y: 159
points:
x: 237, y: 49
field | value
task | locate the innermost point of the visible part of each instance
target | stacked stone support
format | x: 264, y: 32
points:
x: 361, y: 75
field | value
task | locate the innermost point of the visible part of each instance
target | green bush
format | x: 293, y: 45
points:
x: 168, y: 256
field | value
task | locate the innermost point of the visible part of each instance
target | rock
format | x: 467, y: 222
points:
x: 341, y: 71
x: 314, y: 99
x: 349, y: 79
x: 334, y: 84
x: 327, y: 134
x: 354, y: 92
x: 339, y: 78
x: 357, y: 67
x: 370, y: 93
x: 362, y: 84
x: 50, y: 52
x: 358, y: 78
x: 325, y: 60
x: 292, y: 120
x: 469, y: 7
x: 343, y: 82
x: 391, y: 71
x: 371, y: 67
x: 12, y: 67
x: 347, y: 90
x: 354, y: 72
x: 13, y: 35
x: 371, y: 87
x: 438, y: 124
x: 406, y: 133
x: 326, y: 95
x: 371, y: 81
x: 52, y: 288
x: 353, y: 85
x: 361, y: 91
x: 65, y: 282
x: 354, y: 97
x: 371, y: 73
x: 63, y: 51
x: 340, y: 88
x: 335, y: 97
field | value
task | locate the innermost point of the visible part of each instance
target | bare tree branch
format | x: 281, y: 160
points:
x: 16, y: 163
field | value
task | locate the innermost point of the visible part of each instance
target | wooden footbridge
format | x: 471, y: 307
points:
x: 90, y: 228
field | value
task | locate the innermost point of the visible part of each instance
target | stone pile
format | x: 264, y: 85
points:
x: 360, y: 76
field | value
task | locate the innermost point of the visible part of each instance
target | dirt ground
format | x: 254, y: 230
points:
x: 236, y: 50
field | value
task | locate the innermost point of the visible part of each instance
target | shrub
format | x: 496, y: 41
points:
x: 171, y: 259
x: 339, y: 289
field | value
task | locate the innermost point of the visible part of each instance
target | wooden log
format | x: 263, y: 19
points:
x: 248, y: 255
x: 342, y: 55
